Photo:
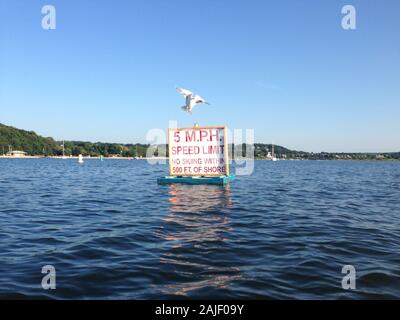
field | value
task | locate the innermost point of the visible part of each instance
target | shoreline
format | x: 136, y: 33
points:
x: 166, y: 158
x: 85, y: 158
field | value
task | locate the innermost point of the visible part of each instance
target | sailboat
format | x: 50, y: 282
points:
x: 273, y: 154
x: 136, y: 154
x: 63, y: 149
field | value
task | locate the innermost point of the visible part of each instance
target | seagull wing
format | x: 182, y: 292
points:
x: 197, y: 99
x: 184, y: 92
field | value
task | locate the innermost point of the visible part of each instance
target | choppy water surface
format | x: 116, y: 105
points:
x: 284, y: 232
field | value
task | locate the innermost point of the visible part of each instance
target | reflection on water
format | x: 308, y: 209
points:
x: 196, y: 228
x: 195, y: 198
x: 196, y: 213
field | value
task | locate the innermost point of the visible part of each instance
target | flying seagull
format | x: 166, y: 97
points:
x: 191, y: 99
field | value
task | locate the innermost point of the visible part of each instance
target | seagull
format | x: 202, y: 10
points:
x: 191, y: 99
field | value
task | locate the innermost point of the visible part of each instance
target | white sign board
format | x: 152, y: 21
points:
x: 198, y: 151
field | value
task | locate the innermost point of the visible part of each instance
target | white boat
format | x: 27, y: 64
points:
x: 63, y: 148
x: 80, y: 159
x: 273, y: 158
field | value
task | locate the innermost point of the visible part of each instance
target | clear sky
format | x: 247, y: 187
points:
x: 287, y: 69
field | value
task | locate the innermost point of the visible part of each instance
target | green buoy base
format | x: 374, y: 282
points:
x: 220, y: 180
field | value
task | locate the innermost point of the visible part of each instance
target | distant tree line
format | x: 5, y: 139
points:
x: 105, y: 149
x: 16, y: 139
x: 28, y: 141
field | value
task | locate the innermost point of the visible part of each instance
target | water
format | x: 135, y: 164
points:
x: 285, y: 232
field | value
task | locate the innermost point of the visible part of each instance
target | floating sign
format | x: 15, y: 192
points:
x: 198, y: 151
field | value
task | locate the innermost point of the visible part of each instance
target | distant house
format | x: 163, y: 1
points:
x: 16, y: 154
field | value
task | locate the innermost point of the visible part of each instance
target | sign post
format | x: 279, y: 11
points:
x: 198, y: 155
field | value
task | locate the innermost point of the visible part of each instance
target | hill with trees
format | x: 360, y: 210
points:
x: 28, y: 141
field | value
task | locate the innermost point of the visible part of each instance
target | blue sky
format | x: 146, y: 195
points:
x: 284, y: 68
